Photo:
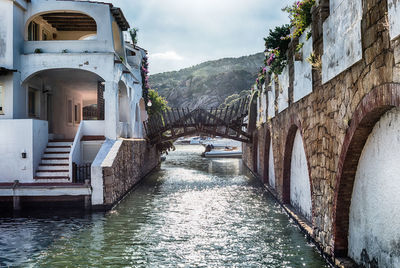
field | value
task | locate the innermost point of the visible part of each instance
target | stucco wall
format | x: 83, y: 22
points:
x: 271, y: 167
x: 374, y: 211
x: 6, y: 34
x: 271, y: 101
x: 303, y: 70
x: 19, y: 138
x: 394, y: 18
x: 283, y: 97
x: 300, y: 190
x: 7, y: 82
x: 340, y: 53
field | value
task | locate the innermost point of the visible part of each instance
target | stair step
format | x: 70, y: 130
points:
x: 54, y: 149
x: 52, y: 173
x: 59, y: 143
x: 56, y: 155
x: 53, y: 179
x: 55, y: 161
x: 50, y: 167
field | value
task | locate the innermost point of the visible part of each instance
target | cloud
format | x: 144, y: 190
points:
x: 182, y: 33
x: 168, y: 55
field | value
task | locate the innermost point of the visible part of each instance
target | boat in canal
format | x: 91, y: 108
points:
x: 227, y: 153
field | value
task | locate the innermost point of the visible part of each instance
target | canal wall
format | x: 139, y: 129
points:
x: 337, y: 143
x: 115, y: 172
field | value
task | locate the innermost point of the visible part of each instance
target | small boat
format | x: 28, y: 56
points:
x: 221, y: 143
x: 224, y: 154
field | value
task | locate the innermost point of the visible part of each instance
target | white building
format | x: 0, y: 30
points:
x: 68, y: 82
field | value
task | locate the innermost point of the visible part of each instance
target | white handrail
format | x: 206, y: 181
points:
x: 74, y: 155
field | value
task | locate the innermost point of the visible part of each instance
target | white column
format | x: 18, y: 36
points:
x: 111, y: 113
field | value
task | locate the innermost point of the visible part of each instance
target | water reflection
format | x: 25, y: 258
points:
x: 193, y: 212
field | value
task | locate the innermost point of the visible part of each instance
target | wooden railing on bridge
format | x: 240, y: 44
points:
x: 178, y: 122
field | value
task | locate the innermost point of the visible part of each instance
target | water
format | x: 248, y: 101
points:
x: 193, y: 212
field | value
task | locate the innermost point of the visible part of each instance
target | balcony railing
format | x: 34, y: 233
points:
x: 68, y: 46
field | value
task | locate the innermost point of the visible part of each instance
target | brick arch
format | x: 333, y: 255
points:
x: 295, y: 124
x: 267, y: 143
x: 369, y: 111
x: 255, y: 155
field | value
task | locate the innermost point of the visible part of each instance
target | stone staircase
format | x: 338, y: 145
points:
x: 54, y: 166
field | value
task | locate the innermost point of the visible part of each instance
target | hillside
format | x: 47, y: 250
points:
x: 208, y: 84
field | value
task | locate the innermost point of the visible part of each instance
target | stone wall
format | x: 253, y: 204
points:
x: 134, y: 160
x: 335, y: 121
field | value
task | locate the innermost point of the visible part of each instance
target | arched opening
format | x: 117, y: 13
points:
x: 296, y: 176
x: 63, y: 97
x: 366, y: 204
x: 256, y: 151
x: 61, y: 25
x: 124, y: 110
x: 269, y: 167
x: 267, y: 142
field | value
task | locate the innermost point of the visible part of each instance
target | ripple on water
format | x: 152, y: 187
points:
x: 193, y: 212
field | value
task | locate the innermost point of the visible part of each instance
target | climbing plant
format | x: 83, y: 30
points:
x: 157, y: 103
x: 300, y: 17
x: 145, y: 80
x: 276, y: 46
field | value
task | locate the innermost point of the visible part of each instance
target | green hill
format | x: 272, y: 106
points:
x: 208, y: 84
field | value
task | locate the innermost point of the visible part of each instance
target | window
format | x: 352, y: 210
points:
x: 33, y: 31
x: 69, y: 112
x: 77, y: 113
x: 1, y: 99
x: 33, y: 103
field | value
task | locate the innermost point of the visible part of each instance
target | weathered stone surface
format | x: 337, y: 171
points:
x: 327, y: 118
x: 134, y: 160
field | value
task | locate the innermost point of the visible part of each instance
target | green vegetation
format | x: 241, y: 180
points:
x: 207, y: 84
x: 158, y: 103
x: 277, y: 42
x: 276, y: 46
x: 234, y: 98
x: 300, y: 16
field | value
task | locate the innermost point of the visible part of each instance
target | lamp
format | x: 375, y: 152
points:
x: 149, y: 104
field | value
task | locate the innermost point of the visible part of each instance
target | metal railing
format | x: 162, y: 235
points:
x: 81, y: 173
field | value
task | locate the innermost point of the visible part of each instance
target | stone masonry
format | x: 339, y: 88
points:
x: 134, y: 160
x: 335, y: 121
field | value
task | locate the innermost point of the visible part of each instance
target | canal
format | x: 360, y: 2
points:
x: 193, y: 212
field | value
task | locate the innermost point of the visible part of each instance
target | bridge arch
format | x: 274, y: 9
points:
x: 269, y: 171
x: 173, y: 123
x: 358, y: 142
x: 297, y: 193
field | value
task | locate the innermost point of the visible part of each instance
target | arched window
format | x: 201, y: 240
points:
x: 62, y: 26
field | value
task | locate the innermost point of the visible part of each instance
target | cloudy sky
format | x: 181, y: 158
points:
x: 182, y: 33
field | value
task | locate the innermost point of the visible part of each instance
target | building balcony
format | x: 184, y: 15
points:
x: 68, y: 46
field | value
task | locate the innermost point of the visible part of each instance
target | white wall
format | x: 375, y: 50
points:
x: 302, y: 70
x: 374, y: 222
x: 271, y: 167
x: 300, y: 190
x: 6, y: 34
x: 283, y: 97
x: 97, y: 181
x: 271, y: 100
x: 7, y: 82
x: 40, y: 140
x: 101, y: 64
x: 22, y: 135
x: 341, y: 53
x: 394, y: 18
